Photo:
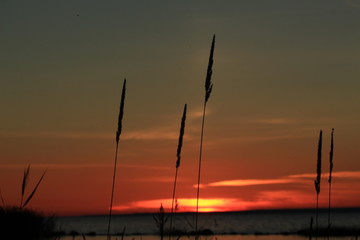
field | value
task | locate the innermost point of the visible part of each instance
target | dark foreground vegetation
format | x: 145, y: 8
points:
x: 22, y: 223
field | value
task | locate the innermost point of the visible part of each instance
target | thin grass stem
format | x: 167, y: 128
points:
x: 112, y: 192
x: 172, y: 204
x: 331, y: 166
x: 199, y: 173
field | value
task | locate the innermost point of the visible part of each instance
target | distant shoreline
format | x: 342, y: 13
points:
x: 339, y: 232
x: 261, y: 211
x: 294, y: 222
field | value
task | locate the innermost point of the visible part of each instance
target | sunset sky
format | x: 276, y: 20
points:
x: 282, y: 71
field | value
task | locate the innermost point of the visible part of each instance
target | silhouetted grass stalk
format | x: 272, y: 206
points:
x: 331, y: 166
x: 160, y: 220
x: 2, y: 199
x: 24, y: 186
x: 208, y: 89
x: 178, y: 155
x: 317, y: 181
x: 24, y: 183
x: 123, y: 233
x: 118, y: 133
x: 311, y: 228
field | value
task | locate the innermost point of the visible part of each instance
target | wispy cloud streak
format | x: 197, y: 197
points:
x: 59, y: 135
x: 151, y: 134
x: 298, y: 178
x: 155, y: 134
x: 342, y: 174
x: 275, y: 121
x: 249, y: 182
x: 82, y: 166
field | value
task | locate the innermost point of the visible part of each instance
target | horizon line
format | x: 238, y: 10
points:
x: 204, y: 213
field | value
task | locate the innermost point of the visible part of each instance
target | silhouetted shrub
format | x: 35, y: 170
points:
x: 21, y: 223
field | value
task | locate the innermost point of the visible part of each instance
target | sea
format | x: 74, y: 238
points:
x: 244, y: 225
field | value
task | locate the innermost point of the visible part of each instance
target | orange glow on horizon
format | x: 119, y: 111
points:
x: 185, y: 205
x: 283, y: 192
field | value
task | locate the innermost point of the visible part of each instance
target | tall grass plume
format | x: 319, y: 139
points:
x: 317, y: 181
x: 117, y: 138
x: 178, y: 160
x: 208, y: 89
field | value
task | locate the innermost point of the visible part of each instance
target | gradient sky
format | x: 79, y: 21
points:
x: 283, y: 70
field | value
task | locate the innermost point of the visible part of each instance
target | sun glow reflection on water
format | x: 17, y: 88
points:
x: 187, y: 205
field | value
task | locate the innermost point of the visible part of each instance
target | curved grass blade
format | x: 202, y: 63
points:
x: 24, y: 183
x: 33, y: 192
x: 2, y: 199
